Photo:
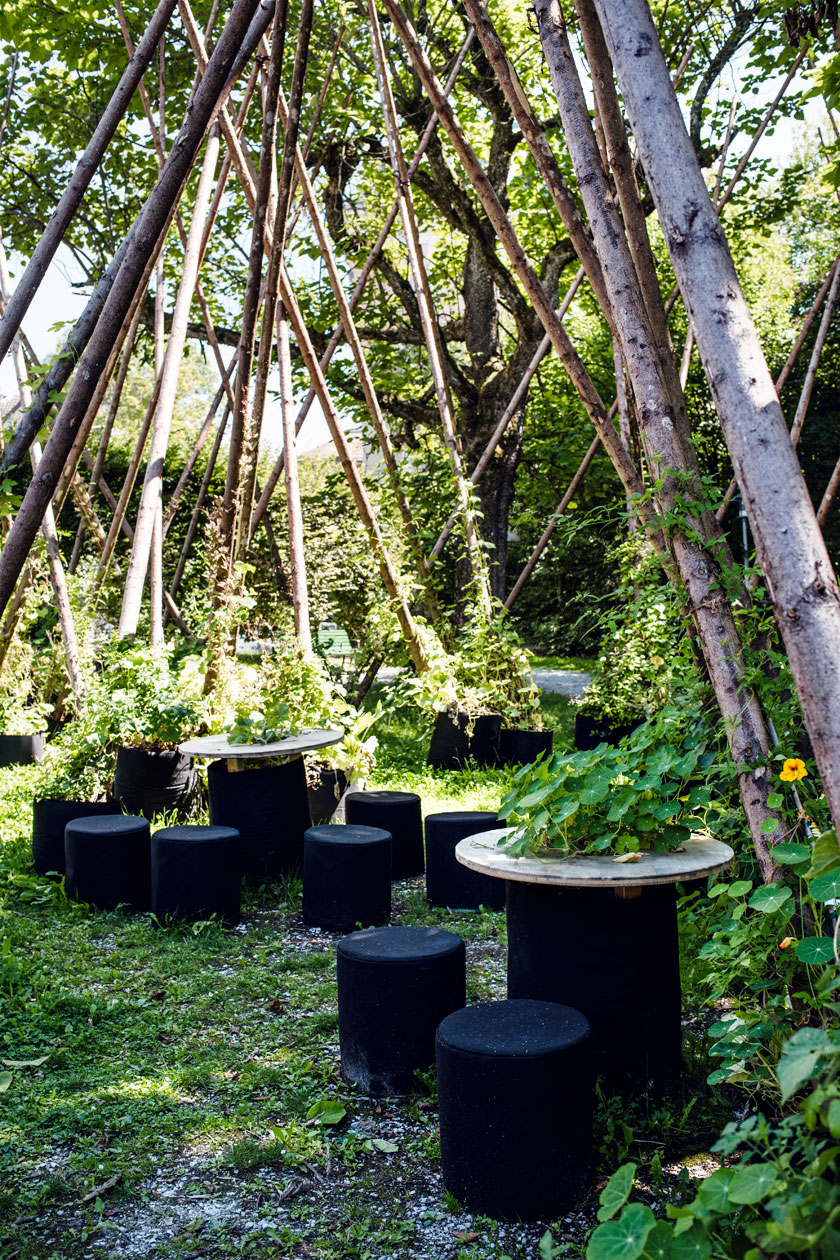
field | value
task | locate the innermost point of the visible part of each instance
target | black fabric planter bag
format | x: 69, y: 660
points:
x: 452, y: 747
x: 325, y: 795
x: 108, y: 862
x: 195, y: 873
x: 515, y: 1087
x: 269, y: 807
x: 20, y: 750
x: 149, y: 781
x: 49, y: 819
x: 616, y: 959
x: 519, y: 748
x: 591, y: 731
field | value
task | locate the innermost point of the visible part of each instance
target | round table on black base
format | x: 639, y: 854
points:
x: 448, y: 883
x: 269, y: 807
x: 400, y: 814
x: 395, y: 985
x: 108, y: 862
x: 346, y: 877
x: 49, y: 819
x: 195, y: 874
x: 616, y: 959
x: 515, y: 1087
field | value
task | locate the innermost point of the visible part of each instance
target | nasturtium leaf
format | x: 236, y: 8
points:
x: 799, y: 1058
x: 816, y: 950
x: 775, y: 800
x: 327, y: 1111
x: 659, y: 1242
x: 740, y: 888
x: 769, y: 825
x: 5, y: 1081
x: 713, y: 1192
x: 718, y: 890
x: 625, y: 1238
x: 753, y: 1183
x: 615, y: 1192
x: 825, y: 887
x: 692, y: 1245
x: 825, y: 855
x: 789, y: 854
x: 769, y: 898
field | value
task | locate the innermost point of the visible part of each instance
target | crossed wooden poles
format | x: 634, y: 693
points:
x: 616, y: 261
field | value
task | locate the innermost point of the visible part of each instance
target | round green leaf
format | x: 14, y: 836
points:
x: 816, y: 950
x: 625, y: 1238
x: 615, y: 1192
x: 753, y: 1183
x: 825, y: 887
x: 693, y: 1245
x: 791, y: 853
x: 769, y: 898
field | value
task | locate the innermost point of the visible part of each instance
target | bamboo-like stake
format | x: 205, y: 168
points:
x: 127, y: 488
x: 389, y: 573
x: 169, y: 375
x: 156, y: 551
x: 428, y: 319
x: 354, y: 341
x: 520, y: 582
x: 14, y: 611
x: 86, y: 167
x: 810, y: 375
x: 294, y: 517
x: 509, y: 412
x: 359, y: 288
x: 58, y: 580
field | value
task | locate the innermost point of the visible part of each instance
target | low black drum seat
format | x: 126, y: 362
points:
x: 196, y: 873
x: 346, y: 877
x: 515, y: 1088
x: 399, y: 813
x: 448, y: 883
x: 395, y: 985
x: 107, y: 861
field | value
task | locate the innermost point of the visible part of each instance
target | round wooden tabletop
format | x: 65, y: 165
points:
x: 695, y: 859
x: 220, y: 746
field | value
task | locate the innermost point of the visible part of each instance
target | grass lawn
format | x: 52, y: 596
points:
x: 168, y: 1117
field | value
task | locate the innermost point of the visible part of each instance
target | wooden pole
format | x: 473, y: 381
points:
x: 294, y: 517
x: 86, y: 167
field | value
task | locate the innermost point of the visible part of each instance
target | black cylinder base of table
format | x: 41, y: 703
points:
x: 515, y: 1088
x: 49, y: 818
x: 448, y: 883
x: 151, y: 781
x: 108, y: 862
x: 398, y: 813
x: 195, y: 874
x: 520, y: 747
x: 346, y: 877
x: 613, y: 957
x: 452, y: 746
x: 395, y: 985
x: 269, y: 807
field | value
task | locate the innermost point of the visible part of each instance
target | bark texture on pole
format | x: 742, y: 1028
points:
x: 141, y: 244
x: 791, y: 551
x: 63, y: 214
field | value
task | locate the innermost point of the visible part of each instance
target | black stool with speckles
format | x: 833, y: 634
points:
x: 399, y: 813
x: 516, y: 1086
x: 395, y: 985
x: 196, y: 873
x: 107, y: 861
x: 346, y: 877
x: 448, y: 883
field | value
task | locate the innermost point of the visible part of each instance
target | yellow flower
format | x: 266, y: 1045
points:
x: 787, y: 942
x: 792, y: 770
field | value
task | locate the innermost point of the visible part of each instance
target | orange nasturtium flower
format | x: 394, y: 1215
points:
x: 787, y: 942
x: 792, y: 770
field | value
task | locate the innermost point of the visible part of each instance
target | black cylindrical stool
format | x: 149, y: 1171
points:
x: 448, y: 883
x: 49, y: 818
x: 398, y: 813
x: 108, y: 861
x: 269, y: 807
x: 195, y: 873
x: 515, y: 1085
x: 346, y: 877
x: 395, y: 985
x: 612, y: 956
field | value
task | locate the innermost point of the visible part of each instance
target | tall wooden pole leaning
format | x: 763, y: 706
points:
x: 358, y: 290
x: 791, y: 550
x: 141, y: 243
x: 86, y: 167
x: 431, y: 329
